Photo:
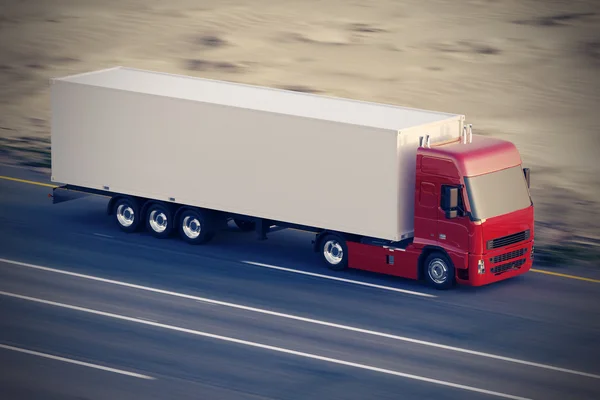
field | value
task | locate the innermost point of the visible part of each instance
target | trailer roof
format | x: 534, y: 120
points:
x: 259, y: 98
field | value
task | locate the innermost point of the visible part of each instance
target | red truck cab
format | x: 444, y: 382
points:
x: 472, y: 200
x: 473, y: 217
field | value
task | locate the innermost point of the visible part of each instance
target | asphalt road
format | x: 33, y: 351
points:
x: 203, y: 323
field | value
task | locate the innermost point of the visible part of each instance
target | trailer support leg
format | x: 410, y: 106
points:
x: 262, y: 227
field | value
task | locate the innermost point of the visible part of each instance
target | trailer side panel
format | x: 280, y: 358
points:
x: 299, y: 170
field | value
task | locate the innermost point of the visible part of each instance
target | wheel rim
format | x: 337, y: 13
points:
x: 438, y: 271
x: 333, y: 252
x: 125, y: 215
x: 158, y: 221
x: 191, y: 227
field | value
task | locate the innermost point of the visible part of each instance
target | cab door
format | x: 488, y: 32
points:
x: 453, y: 233
x: 426, y: 210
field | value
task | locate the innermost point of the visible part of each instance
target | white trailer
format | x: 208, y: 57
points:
x: 281, y: 156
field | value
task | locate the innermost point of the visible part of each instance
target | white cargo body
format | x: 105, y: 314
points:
x: 318, y: 161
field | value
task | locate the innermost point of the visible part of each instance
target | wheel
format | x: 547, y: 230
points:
x: 195, y: 227
x: 126, y: 212
x: 246, y: 226
x: 334, y: 252
x: 439, y: 271
x: 159, y: 220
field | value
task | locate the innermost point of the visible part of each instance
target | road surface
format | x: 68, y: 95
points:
x: 88, y: 312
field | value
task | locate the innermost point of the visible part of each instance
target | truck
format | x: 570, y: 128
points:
x: 394, y: 190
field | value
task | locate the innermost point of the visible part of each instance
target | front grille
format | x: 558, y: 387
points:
x: 500, y: 269
x: 508, y: 240
x: 508, y: 256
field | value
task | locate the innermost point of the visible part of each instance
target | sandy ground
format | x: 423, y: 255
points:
x: 527, y: 71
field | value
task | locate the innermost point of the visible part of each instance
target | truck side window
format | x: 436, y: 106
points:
x: 427, y: 196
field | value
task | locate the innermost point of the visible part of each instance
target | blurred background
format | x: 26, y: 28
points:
x: 526, y: 71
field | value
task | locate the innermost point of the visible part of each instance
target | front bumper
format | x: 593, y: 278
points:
x: 500, y: 264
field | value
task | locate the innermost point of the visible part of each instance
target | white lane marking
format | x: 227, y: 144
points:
x: 264, y: 346
x: 147, y: 319
x: 339, y: 279
x: 68, y: 360
x: 103, y: 235
x: 303, y: 319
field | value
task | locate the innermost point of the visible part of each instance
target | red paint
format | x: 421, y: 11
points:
x: 497, y: 227
x: 483, y: 155
x: 504, y: 225
x: 375, y: 259
x: 488, y: 277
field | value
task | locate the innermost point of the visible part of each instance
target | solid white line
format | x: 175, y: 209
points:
x: 309, y: 320
x: 333, y: 278
x: 35, y: 353
x: 267, y: 347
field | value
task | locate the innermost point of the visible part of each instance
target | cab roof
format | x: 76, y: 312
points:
x: 481, y: 156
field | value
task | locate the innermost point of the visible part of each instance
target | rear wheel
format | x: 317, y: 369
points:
x: 127, y: 214
x: 195, y: 227
x: 159, y: 220
x: 439, y: 271
x: 334, y: 252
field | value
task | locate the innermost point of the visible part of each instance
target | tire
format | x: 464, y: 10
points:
x: 334, y: 252
x: 126, y: 212
x: 195, y: 227
x: 159, y: 220
x: 439, y: 271
x: 246, y: 226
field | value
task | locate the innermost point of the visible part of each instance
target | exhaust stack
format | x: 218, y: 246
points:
x: 464, y: 135
x: 425, y: 141
x: 470, y: 133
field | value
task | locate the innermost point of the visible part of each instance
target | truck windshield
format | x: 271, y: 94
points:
x: 497, y: 193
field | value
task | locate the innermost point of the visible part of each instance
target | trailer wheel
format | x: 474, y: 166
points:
x: 246, y: 226
x: 159, y: 220
x: 127, y: 214
x: 195, y: 227
x: 439, y: 271
x: 334, y: 252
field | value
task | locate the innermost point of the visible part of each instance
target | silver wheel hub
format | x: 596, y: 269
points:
x: 438, y: 271
x: 333, y: 252
x: 191, y: 227
x: 158, y: 221
x: 125, y: 215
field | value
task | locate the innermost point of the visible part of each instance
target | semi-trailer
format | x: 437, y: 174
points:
x: 395, y: 190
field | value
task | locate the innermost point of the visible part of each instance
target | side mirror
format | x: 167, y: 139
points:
x: 450, y: 201
x: 527, y: 174
x: 449, y: 198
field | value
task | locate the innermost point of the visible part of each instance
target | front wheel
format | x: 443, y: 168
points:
x: 334, y: 252
x: 439, y: 271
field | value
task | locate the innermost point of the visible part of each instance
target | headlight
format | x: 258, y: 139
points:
x: 481, y: 267
x: 532, y: 253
